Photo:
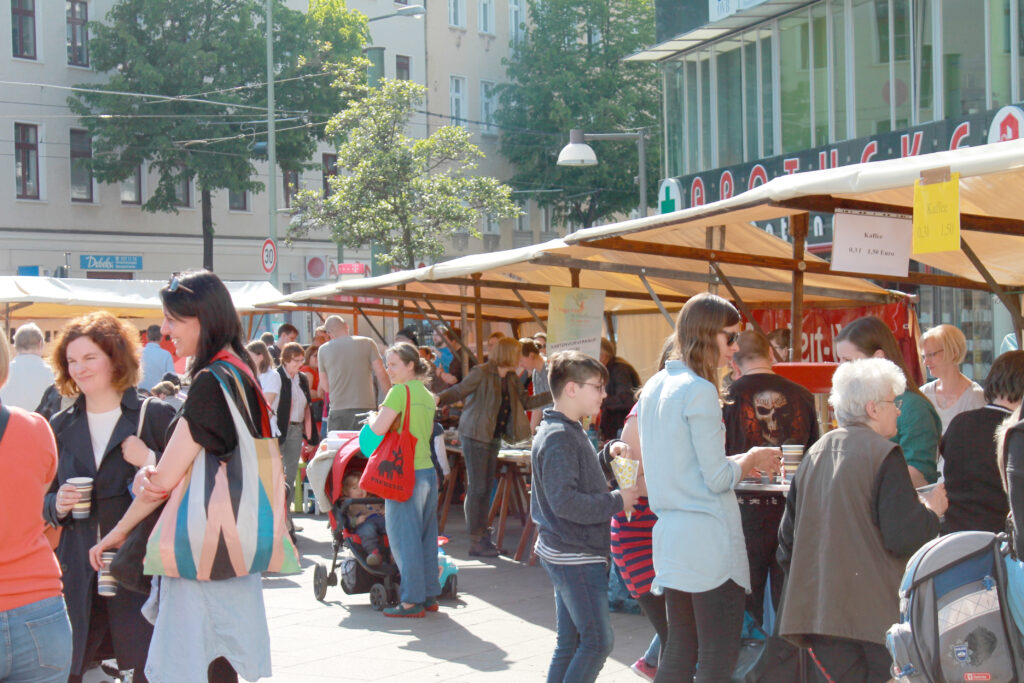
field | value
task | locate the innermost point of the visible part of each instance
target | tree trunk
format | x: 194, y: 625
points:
x: 207, y: 200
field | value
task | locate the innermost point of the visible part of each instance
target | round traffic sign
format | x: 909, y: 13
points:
x: 268, y: 256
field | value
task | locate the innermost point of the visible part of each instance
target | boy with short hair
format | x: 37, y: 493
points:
x: 367, y: 519
x: 572, y: 507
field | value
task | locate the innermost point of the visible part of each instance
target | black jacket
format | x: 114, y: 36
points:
x: 110, y: 500
x: 623, y: 381
x: 284, y: 407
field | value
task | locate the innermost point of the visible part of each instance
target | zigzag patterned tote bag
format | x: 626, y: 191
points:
x: 226, y: 518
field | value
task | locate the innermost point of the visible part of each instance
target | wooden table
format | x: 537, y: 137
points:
x: 513, y: 492
x: 457, y: 469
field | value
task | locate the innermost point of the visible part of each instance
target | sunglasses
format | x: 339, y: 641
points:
x: 175, y: 284
x: 730, y: 337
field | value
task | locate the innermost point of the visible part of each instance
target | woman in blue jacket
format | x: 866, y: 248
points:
x: 699, y: 553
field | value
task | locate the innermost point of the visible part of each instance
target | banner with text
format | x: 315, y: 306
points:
x: 575, y: 318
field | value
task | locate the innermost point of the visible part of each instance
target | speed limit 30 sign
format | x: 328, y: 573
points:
x: 268, y: 256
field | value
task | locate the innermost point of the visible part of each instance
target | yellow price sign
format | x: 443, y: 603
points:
x: 937, y: 215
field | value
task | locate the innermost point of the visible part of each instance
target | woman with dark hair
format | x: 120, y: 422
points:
x: 919, y: 427
x: 35, y: 634
x: 96, y: 359
x: 412, y: 524
x: 973, y: 483
x: 204, y: 629
x: 700, y: 558
x: 496, y: 403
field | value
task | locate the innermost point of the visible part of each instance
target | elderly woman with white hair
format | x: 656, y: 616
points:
x: 852, y: 520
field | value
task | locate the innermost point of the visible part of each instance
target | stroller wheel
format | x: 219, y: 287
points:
x: 332, y: 579
x: 319, y: 581
x: 451, y: 587
x: 378, y: 596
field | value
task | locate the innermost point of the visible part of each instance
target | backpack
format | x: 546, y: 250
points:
x: 955, y: 622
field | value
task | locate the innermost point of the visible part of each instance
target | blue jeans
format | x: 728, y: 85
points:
x: 35, y: 643
x: 369, y: 532
x: 412, y: 533
x: 584, y: 635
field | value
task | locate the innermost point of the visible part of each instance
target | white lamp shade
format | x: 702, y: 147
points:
x: 577, y: 154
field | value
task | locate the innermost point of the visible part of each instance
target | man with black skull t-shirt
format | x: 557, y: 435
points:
x: 764, y: 409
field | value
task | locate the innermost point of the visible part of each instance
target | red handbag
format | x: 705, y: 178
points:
x: 390, y: 473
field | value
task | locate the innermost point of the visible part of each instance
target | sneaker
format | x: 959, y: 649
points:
x: 374, y: 558
x: 431, y: 605
x: 483, y: 548
x: 644, y: 670
x: 414, y: 612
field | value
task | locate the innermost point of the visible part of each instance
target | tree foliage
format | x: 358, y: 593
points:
x: 404, y: 195
x: 568, y: 73
x: 204, y: 61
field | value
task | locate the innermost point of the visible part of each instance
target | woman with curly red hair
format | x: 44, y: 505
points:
x: 96, y: 360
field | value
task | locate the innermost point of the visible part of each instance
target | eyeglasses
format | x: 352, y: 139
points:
x: 898, y: 403
x: 730, y: 337
x: 925, y: 355
x: 599, y: 387
x: 175, y: 284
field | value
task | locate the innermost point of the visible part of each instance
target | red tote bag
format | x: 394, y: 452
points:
x: 390, y: 473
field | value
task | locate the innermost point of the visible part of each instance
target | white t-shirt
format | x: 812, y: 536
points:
x: 298, y: 407
x: 972, y: 399
x: 101, y: 426
x: 270, y: 382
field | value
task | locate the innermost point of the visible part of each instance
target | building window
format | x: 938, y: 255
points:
x: 81, y: 173
x: 523, y: 219
x: 26, y: 160
x: 488, y: 100
x: 183, y: 189
x: 238, y: 201
x: 78, y: 32
x: 515, y: 21
x: 330, y: 169
x: 485, y: 14
x: 728, y: 71
x: 963, y: 58
x: 402, y: 69
x: 457, y: 13
x: 291, y: 186
x: 491, y: 225
x: 23, y: 27
x: 131, y: 187
x: 457, y: 92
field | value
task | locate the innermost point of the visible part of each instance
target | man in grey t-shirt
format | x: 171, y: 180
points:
x: 347, y: 367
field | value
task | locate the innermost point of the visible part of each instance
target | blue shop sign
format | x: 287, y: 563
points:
x: 109, y: 262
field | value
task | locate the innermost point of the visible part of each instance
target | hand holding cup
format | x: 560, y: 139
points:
x: 67, y: 496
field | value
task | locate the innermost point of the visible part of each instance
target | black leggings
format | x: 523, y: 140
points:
x: 653, y: 607
x: 703, y: 635
x: 221, y: 671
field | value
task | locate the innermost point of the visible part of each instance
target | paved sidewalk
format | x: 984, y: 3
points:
x: 501, y: 628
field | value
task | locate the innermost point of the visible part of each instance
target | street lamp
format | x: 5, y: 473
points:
x: 407, y: 11
x: 579, y: 153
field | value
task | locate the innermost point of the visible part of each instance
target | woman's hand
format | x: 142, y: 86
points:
x: 620, y: 449
x: 115, y: 539
x: 144, y: 488
x: 135, y: 451
x: 935, y: 500
x: 763, y: 459
x: 629, y: 498
x: 67, y: 496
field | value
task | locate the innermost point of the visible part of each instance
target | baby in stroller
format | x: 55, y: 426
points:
x: 367, y: 519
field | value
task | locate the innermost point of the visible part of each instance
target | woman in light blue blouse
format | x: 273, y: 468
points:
x: 699, y: 553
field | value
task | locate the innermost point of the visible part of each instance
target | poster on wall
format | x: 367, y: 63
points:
x: 575, y: 319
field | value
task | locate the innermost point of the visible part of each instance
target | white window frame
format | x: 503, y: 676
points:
x: 93, y: 189
x: 247, y: 196
x: 457, y: 13
x: 457, y: 93
x: 515, y: 18
x: 141, y: 171
x: 522, y: 221
x: 485, y: 16
x: 488, y: 104
x: 40, y: 160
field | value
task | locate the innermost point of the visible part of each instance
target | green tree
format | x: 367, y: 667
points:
x: 403, y: 195
x: 197, y: 69
x: 569, y: 73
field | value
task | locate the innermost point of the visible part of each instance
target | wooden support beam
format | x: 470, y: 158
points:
x: 1011, y: 302
x: 968, y: 221
x: 574, y: 277
x: 530, y: 287
x: 670, y: 274
x: 478, y: 320
x: 530, y: 310
x: 372, y: 326
x: 798, y: 227
x: 441, y: 321
x: 401, y: 309
x: 770, y: 262
x: 657, y: 300
x: 392, y: 310
x: 743, y: 309
x: 424, y: 296
x: 609, y: 323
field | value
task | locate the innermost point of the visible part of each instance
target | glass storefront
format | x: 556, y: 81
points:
x: 837, y: 70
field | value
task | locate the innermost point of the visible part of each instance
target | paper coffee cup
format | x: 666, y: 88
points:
x: 106, y: 584
x: 84, y: 504
x: 791, y: 457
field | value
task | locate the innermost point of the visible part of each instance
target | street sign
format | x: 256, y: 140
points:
x: 670, y: 196
x: 268, y: 256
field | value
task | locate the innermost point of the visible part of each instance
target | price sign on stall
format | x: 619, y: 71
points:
x: 268, y: 256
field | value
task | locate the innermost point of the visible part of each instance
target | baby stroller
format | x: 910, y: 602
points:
x: 357, y: 576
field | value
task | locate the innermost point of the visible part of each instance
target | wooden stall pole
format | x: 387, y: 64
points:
x: 478, y: 322
x: 657, y: 300
x: 529, y: 308
x: 464, y: 356
x: 372, y: 326
x: 574, y: 278
x: 401, y: 309
x: 609, y: 323
x: 798, y: 226
x: 1012, y: 302
x: 740, y: 304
